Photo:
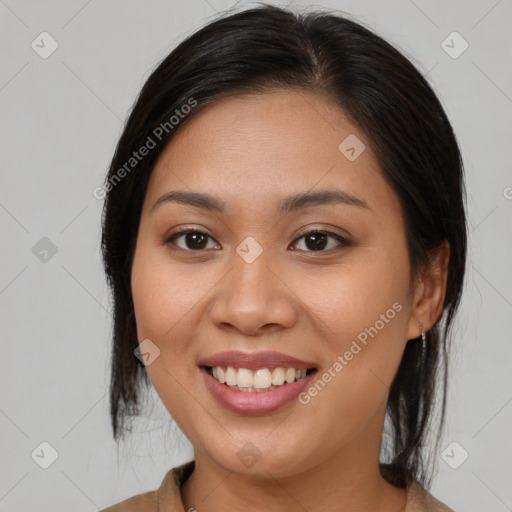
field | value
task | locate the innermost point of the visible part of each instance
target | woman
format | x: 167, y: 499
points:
x: 284, y: 234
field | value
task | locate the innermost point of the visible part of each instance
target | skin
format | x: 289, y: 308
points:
x: 251, y: 151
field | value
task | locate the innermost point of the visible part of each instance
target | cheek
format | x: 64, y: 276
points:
x: 348, y: 301
x: 162, y: 295
x: 362, y: 312
x: 169, y: 303
x: 164, y: 302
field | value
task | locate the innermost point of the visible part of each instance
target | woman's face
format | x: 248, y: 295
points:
x: 250, y: 292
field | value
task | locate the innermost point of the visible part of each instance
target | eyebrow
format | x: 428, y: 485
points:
x: 287, y: 205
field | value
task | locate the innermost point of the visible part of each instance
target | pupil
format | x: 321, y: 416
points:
x: 318, y: 241
x: 194, y: 237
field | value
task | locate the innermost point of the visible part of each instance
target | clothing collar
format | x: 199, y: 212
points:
x: 169, y: 493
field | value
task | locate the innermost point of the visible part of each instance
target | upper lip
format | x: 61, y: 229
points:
x: 255, y: 361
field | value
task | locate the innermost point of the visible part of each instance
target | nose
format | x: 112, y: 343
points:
x: 254, y: 298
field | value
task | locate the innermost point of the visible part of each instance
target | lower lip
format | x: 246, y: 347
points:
x: 258, y: 402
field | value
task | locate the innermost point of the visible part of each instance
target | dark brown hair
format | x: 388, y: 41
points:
x: 382, y: 92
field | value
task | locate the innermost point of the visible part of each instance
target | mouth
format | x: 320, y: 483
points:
x: 255, y: 383
x: 246, y: 380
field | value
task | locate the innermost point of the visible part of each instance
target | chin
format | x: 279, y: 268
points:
x: 257, y: 456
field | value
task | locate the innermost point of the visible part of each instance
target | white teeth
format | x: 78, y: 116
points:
x: 262, y: 379
x: 243, y: 379
x: 290, y: 375
x: 231, y: 376
x: 278, y: 376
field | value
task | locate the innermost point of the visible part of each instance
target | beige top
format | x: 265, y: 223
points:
x: 168, y: 497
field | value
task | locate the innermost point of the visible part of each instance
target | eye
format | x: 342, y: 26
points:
x: 195, y: 239
x: 317, y: 240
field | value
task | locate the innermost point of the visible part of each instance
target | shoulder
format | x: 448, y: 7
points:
x: 166, y: 498
x: 146, y: 502
x: 420, y: 500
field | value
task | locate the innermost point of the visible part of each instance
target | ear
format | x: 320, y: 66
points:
x: 429, y: 292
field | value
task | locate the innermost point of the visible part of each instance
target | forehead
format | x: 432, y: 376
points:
x: 261, y: 147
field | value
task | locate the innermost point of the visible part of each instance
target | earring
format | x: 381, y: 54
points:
x: 423, y: 343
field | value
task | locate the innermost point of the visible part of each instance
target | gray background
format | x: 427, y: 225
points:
x: 60, y: 119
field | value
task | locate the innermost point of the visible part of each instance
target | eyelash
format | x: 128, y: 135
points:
x: 185, y: 231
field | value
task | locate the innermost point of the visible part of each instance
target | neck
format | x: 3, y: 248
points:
x: 348, y: 480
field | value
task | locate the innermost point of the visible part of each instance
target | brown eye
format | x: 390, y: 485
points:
x: 194, y: 240
x: 317, y: 241
x: 314, y: 241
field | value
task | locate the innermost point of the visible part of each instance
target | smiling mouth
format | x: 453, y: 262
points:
x: 263, y: 379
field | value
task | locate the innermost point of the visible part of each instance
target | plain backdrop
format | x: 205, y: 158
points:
x: 61, y: 116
